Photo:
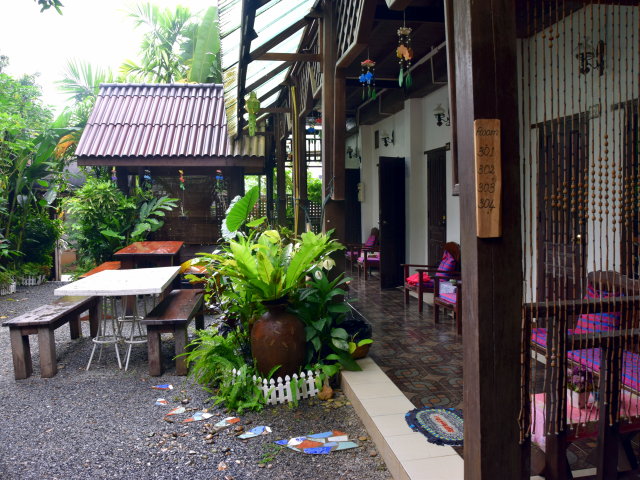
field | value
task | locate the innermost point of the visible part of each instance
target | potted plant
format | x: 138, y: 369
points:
x: 579, y: 385
x: 7, y: 283
x: 271, y: 268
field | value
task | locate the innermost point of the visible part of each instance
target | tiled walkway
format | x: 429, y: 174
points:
x: 423, y: 359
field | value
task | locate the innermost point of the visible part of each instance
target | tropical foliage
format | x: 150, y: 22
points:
x: 27, y: 180
x: 103, y: 219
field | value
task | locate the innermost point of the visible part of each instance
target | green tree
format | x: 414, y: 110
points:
x: 166, y: 31
x: 204, y: 63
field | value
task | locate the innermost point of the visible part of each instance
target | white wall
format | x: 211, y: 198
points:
x: 415, y: 132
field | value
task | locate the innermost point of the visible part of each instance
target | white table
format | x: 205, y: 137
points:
x: 111, y: 283
x: 126, y: 284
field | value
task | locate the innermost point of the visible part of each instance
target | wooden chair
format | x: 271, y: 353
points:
x: 449, y: 299
x: 422, y: 285
x: 354, y: 251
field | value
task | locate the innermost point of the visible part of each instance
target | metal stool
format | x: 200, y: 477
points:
x: 104, y: 336
x: 136, y: 336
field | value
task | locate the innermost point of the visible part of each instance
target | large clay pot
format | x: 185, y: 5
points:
x: 277, y: 338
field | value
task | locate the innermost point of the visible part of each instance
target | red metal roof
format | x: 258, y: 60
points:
x: 153, y: 121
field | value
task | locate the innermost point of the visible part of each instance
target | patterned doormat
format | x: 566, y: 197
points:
x: 442, y: 426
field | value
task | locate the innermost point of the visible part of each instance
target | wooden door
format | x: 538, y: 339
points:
x: 563, y: 184
x: 436, y: 203
x: 392, y: 220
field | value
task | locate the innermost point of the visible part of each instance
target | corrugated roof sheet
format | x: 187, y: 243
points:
x: 162, y: 120
x: 271, y: 19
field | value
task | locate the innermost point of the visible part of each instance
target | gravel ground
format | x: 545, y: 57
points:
x: 103, y: 423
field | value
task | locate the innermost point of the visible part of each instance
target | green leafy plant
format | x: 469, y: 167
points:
x: 239, y: 211
x: 322, y: 308
x: 32, y: 269
x: 270, y: 267
x: 6, y: 278
x: 213, y: 359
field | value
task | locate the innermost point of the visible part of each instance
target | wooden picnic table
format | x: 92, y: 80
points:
x: 152, y: 253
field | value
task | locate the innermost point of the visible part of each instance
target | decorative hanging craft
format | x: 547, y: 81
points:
x: 181, y: 179
x: 253, y: 107
x: 114, y: 177
x: 368, y: 78
x: 404, y: 53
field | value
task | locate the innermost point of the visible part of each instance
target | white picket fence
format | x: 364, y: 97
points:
x: 31, y: 280
x: 8, y: 289
x: 279, y: 390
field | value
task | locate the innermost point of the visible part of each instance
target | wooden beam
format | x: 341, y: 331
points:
x: 275, y: 110
x: 289, y: 57
x: 363, y: 32
x: 433, y: 14
x: 486, y: 88
x: 328, y: 65
x: 279, y: 38
x: 247, y: 33
x: 267, y: 76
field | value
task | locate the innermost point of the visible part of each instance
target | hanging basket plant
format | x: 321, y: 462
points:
x: 404, y: 52
x: 253, y: 107
x: 368, y: 79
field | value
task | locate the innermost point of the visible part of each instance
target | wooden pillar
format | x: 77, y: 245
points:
x: 486, y: 88
x: 301, y: 181
x: 281, y: 185
x: 123, y: 179
x: 269, y: 182
x: 328, y: 65
x: 236, y: 182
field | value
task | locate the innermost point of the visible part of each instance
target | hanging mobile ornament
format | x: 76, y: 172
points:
x: 114, y: 177
x: 181, y: 179
x: 368, y: 78
x: 253, y: 107
x: 404, y: 53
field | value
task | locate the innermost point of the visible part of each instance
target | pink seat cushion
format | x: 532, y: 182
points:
x: 448, y: 297
x: 598, y: 322
x: 415, y: 279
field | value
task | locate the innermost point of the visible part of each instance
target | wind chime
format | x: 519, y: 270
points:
x: 404, y: 52
x: 114, y: 177
x: 368, y: 79
x: 252, y: 107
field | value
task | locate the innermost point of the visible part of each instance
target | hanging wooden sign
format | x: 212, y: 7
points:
x: 488, y: 177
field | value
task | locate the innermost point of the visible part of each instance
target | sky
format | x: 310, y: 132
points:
x: 97, y: 31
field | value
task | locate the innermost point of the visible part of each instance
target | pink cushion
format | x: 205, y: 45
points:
x: 598, y: 322
x: 415, y: 279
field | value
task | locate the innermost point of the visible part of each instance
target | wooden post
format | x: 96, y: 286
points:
x: 301, y: 138
x: 328, y: 65
x: 122, y: 181
x: 236, y: 182
x: 486, y: 80
x: 281, y: 186
x: 269, y: 182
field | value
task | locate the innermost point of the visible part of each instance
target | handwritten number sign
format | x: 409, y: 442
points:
x: 488, y: 177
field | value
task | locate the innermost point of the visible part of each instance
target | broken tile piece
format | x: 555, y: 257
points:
x: 161, y: 402
x: 318, y: 450
x: 197, y: 417
x: 225, y: 422
x: 164, y: 386
x: 346, y: 445
x: 176, y: 411
x: 255, y: 432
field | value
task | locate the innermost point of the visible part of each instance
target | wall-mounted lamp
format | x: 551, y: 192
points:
x: 442, y: 116
x: 590, y: 57
x: 387, y: 139
x: 350, y: 151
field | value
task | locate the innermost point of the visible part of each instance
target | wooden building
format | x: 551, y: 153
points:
x: 160, y: 130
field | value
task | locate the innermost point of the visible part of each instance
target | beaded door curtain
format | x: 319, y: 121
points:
x: 578, y: 77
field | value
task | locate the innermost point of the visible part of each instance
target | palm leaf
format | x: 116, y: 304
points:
x: 207, y: 47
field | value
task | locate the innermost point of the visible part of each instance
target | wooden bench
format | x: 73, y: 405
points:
x: 43, y: 321
x: 172, y: 315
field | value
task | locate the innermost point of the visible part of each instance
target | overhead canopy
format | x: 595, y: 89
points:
x: 249, y: 29
x: 164, y: 125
